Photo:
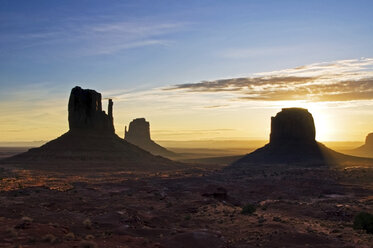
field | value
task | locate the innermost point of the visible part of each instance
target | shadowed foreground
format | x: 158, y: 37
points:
x: 295, y: 206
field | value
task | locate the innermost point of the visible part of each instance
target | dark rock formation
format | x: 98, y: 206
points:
x: 138, y: 131
x: 90, y: 144
x: 365, y: 150
x: 139, y: 134
x: 292, y: 140
x: 292, y: 125
x: 85, y: 111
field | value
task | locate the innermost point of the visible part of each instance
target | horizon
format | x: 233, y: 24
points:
x: 195, y: 73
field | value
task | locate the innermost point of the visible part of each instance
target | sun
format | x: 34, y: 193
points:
x: 320, y: 115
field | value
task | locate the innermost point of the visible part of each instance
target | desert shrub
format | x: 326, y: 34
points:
x: 50, y: 238
x: 24, y: 223
x: 364, y: 221
x: 12, y: 232
x: 87, y: 223
x: 70, y: 236
x: 26, y: 219
x: 89, y: 237
x: 277, y: 219
x: 248, y: 209
x: 88, y: 244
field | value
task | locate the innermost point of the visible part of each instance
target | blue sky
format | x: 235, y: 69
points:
x: 130, y: 46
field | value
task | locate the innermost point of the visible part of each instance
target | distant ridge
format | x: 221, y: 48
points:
x: 90, y: 144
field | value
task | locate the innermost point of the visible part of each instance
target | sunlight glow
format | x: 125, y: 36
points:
x: 323, y: 125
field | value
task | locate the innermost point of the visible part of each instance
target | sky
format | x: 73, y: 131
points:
x: 194, y: 69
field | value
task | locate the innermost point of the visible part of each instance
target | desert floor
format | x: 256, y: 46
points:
x: 295, y: 207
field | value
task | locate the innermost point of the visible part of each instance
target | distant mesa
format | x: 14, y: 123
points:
x: 365, y: 150
x: 91, y: 143
x: 139, y: 134
x: 292, y: 141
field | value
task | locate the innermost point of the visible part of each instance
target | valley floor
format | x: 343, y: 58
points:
x: 295, y: 207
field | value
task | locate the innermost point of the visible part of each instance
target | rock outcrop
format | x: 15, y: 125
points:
x: 365, y: 150
x: 292, y: 140
x: 85, y: 111
x: 292, y: 125
x: 138, y: 133
x: 90, y: 144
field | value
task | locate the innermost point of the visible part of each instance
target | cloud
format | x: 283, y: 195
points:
x: 344, y: 80
x: 81, y: 37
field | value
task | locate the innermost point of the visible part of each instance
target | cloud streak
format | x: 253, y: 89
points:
x: 345, y: 80
x: 95, y: 37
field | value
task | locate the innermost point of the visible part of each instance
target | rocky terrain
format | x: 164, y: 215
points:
x: 292, y: 207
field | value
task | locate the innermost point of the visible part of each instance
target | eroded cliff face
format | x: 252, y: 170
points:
x: 85, y: 111
x: 369, y: 141
x: 294, y: 125
x: 138, y: 131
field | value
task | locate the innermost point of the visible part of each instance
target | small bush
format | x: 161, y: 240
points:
x: 248, y: 209
x: 87, y: 223
x: 88, y: 244
x: 89, y: 237
x: 50, y: 238
x: 277, y: 219
x: 12, y: 232
x: 364, y: 221
x: 24, y: 223
x: 70, y: 236
x: 26, y: 219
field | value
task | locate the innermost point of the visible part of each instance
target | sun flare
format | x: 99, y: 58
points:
x: 320, y: 115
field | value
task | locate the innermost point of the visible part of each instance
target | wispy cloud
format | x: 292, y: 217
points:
x: 345, y: 80
x: 95, y: 37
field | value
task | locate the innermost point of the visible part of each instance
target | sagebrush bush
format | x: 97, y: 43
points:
x: 364, y: 221
x: 89, y: 237
x: 87, y: 223
x: 248, y: 209
x: 70, y: 236
x: 88, y: 244
x: 50, y: 238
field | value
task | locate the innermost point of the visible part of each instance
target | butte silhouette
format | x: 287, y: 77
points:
x: 139, y: 134
x: 90, y: 143
x: 365, y: 150
x: 292, y: 141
